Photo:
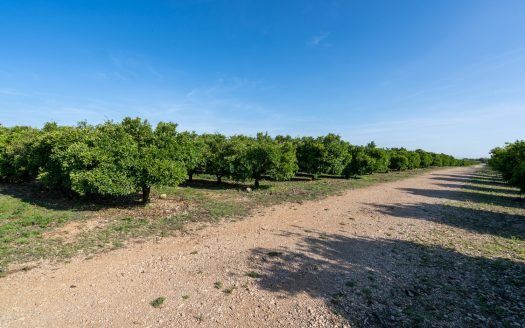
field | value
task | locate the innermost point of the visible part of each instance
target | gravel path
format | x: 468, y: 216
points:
x: 300, y: 256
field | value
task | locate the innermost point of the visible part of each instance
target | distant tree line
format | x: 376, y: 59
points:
x: 113, y: 159
x: 510, y: 162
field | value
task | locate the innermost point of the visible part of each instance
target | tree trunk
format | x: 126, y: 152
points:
x: 145, y: 194
x: 190, y: 176
x: 219, y: 179
x: 256, y: 183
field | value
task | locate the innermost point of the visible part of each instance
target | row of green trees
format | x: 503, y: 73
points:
x: 510, y: 162
x: 114, y: 159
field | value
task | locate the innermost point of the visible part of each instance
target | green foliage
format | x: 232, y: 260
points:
x: 402, y: 159
x: 510, y: 162
x: 263, y: 156
x: 379, y: 157
x: 399, y: 162
x: 323, y: 155
x: 309, y: 155
x: 425, y: 158
x: 437, y: 160
x: 336, y: 154
x: 360, y: 164
x: 191, y: 149
x: 62, y: 150
x: 414, y: 160
x: 220, y: 155
x: 110, y: 159
x: 16, y: 162
x: 158, y: 302
x: 114, y: 159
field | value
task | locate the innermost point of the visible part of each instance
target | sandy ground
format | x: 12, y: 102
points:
x: 300, y: 251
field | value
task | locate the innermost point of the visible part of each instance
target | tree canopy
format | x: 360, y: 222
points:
x: 510, y: 162
x: 113, y: 159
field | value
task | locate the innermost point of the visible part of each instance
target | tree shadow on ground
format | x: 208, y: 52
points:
x: 35, y: 194
x: 466, y: 179
x: 393, y: 283
x: 477, y: 188
x: 468, y: 196
x: 207, y: 184
x: 489, y: 208
x: 472, y: 219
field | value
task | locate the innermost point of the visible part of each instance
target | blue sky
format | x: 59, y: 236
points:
x: 446, y: 76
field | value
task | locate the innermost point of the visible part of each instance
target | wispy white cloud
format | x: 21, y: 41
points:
x: 230, y: 94
x: 319, y: 40
x: 12, y: 92
x: 127, y: 67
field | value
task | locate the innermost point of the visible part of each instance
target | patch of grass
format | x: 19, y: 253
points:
x: 367, y: 293
x: 218, y: 284
x: 158, y: 302
x: 229, y: 290
x: 337, y: 298
x: 26, y: 216
x: 185, y: 297
x: 253, y: 274
x: 118, y: 244
x: 350, y: 284
x: 199, y: 318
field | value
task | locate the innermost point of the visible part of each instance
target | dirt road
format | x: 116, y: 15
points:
x: 300, y: 257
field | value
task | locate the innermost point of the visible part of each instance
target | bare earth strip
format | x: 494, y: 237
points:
x: 301, y: 257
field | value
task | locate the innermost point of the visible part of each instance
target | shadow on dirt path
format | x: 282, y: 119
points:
x: 396, y: 283
x: 380, y: 282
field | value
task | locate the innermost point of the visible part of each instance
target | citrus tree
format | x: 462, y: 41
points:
x: 125, y: 158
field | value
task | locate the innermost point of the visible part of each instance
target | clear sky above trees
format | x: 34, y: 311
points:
x: 446, y: 76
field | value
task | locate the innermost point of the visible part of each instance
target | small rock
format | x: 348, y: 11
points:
x: 248, y: 189
x: 163, y: 196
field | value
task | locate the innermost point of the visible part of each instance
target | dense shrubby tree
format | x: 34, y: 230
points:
x: 192, y: 150
x: 379, y: 157
x: 360, y: 163
x: 399, y: 161
x: 336, y: 155
x: 121, y: 158
x: 518, y: 176
x: 437, y: 160
x: 263, y: 156
x: 287, y: 138
x: 414, y: 160
x: 323, y: 155
x: 286, y: 166
x: 126, y: 157
x: 425, y: 157
x: 220, y: 157
x: 16, y: 162
x: 310, y: 152
x: 447, y: 160
x: 60, y: 151
x: 510, y: 162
